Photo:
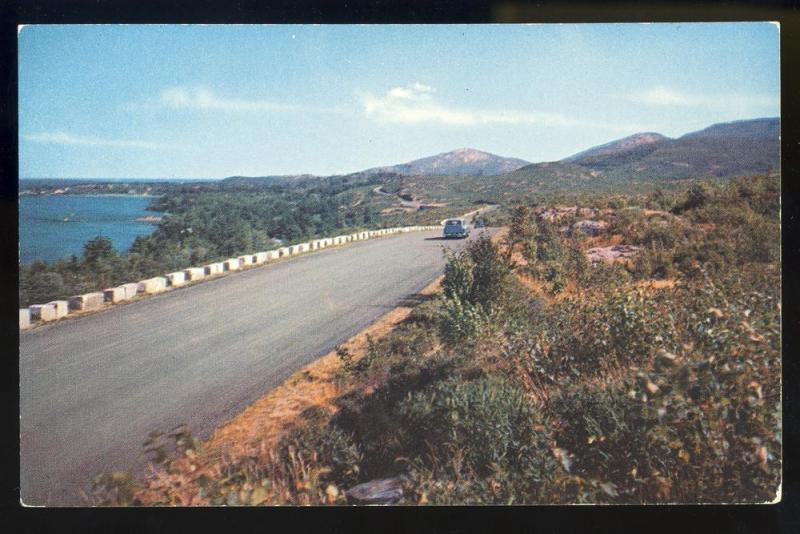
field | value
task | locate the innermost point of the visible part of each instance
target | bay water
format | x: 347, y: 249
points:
x: 52, y: 227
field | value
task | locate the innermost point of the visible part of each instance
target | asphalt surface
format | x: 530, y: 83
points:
x: 93, y: 388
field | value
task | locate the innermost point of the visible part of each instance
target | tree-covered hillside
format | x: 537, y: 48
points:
x: 206, y: 222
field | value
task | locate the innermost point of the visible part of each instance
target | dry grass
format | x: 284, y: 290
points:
x: 656, y: 284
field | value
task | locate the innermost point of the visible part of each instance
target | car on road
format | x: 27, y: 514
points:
x: 457, y: 228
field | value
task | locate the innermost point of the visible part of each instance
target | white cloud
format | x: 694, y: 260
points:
x: 665, y: 96
x: 414, y: 91
x: 65, y: 138
x: 205, y: 99
x: 414, y: 104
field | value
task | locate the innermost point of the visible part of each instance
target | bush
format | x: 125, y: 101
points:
x: 492, y: 431
x: 654, y: 263
x: 696, y: 197
x: 656, y: 235
x: 335, y: 454
x: 458, y: 279
x: 761, y: 240
x: 370, y: 413
x: 477, y: 275
x: 606, y: 441
x: 698, y: 422
x: 489, y: 273
x: 581, y: 338
x: 461, y: 322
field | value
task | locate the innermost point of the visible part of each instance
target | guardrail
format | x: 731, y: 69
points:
x: 79, y: 304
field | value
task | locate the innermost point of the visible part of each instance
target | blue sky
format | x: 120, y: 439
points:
x: 215, y: 101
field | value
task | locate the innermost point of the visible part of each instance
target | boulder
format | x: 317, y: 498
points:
x: 592, y: 228
x: 612, y: 253
x: 380, y: 491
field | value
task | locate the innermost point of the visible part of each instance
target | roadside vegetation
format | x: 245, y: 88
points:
x: 537, y: 377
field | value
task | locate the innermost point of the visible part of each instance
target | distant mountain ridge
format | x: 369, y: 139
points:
x: 724, y: 149
x: 766, y: 128
x: 625, y: 149
x: 460, y: 162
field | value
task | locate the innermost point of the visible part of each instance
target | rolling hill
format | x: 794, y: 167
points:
x: 460, y: 162
x: 611, y: 154
x: 638, y: 162
x: 724, y: 149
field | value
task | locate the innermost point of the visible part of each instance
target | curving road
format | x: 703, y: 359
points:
x: 92, y: 388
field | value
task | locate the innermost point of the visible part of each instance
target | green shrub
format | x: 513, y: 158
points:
x: 425, y: 314
x: 761, y: 240
x: 605, y: 437
x: 654, y: 263
x: 461, y: 322
x: 699, y: 424
x: 458, y: 278
x: 489, y: 424
x: 696, y: 197
x: 658, y: 235
x: 476, y: 275
x: 370, y: 416
x: 489, y: 273
x: 581, y: 338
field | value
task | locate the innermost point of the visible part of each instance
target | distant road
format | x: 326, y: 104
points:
x: 92, y: 388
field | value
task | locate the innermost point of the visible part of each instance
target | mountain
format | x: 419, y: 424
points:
x: 461, y: 162
x: 620, y: 151
x: 724, y: 149
x: 767, y: 128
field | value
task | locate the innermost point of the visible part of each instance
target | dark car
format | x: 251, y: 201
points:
x: 456, y: 228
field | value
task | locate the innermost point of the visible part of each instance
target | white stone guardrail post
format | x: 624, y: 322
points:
x: 59, y: 309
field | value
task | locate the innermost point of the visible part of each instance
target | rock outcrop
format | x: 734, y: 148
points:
x: 612, y: 253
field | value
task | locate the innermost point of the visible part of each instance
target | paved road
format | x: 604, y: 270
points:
x: 92, y: 388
